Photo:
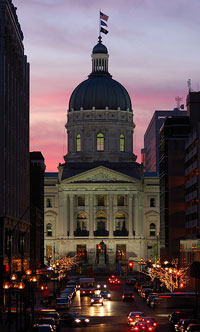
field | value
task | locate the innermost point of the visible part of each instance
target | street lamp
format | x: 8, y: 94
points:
x: 32, y: 280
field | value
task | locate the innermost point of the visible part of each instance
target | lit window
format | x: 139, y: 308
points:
x: 49, y: 229
x: 81, y: 222
x: 152, y: 202
x: 152, y: 229
x: 78, y: 143
x: 100, y: 142
x: 49, y: 203
x: 122, y: 143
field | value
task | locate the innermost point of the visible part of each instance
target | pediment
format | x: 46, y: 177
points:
x: 101, y: 174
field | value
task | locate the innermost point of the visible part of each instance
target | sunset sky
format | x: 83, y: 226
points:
x: 153, y: 47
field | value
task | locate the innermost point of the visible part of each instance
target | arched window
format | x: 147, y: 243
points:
x: 101, y: 222
x: 81, y: 222
x: 120, y: 222
x: 78, y: 143
x: 122, y: 143
x: 49, y: 229
x: 152, y: 229
x: 100, y: 142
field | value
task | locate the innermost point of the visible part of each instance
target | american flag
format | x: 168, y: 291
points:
x: 103, y: 16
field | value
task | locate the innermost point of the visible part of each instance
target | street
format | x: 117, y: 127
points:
x: 112, y: 316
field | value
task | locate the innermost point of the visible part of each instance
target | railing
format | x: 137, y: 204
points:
x: 123, y: 232
x: 101, y: 232
x: 79, y: 232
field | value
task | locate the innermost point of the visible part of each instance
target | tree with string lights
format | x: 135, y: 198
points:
x: 65, y: 264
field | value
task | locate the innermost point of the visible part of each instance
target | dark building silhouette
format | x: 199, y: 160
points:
x: 150, y: 153
x: 37, y: 169
x: 14, y: 143
x: 173, y: 136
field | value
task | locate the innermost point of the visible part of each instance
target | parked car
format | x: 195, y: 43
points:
x: 193, y: 328
x: 73, y: 319
x: 128, y: 296
x: 135, y: 316
x: 62, y: 303
x: 42, y: 328
x: 175, y: 316
x: 48, y: 321
x: 96, y: 299
x: 106, y: 294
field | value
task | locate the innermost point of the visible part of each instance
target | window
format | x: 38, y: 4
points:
x: 49, y: 202
x: 122, y: 143
x: 152, y: 229
x: 120, y: 200
x: 100, y: 200
x: 49, y: 229
x: 78, y: 143
x: 101, y: 222
x: 120, y: 222
x: 81, y: 222
x: 100, y: 142
x: 120, y: 252
x: 81, y: 200
x: 152, y: 202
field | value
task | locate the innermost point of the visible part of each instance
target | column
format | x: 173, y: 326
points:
x: 110, y: 215
x: 71, y: 215
x: 136, y: 221
x: 130, y: 215
x: 59, y: 227
x: 65, y: 219
x: 91, y: 215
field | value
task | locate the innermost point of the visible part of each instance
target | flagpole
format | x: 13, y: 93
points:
x: 99, y: 24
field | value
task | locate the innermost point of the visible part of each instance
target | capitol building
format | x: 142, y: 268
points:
x: 101, y: 194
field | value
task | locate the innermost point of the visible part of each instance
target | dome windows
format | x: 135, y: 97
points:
x: 122, y: 143
x: 78, y: 143
x: 100, y: 142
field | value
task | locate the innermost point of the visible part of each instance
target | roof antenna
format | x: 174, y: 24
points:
x: 189, y: 85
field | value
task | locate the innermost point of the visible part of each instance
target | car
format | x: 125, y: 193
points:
x: 114, y: 281
x: 150, y: 297
x: 154, y: 302
x: 186, y: 322
x: 145, y: 292
x: 53, y: 314
x: 130, y: 281
x: 128, y: 296
x: 73, y: 319
x: 48, y: 321
x: 151, y: 321
x: 142, y: 326
x: 101, y: 285
x: 193, y: 328
x: 135, y: 316
x: 42, y: 328
x: 96, y: 299
x: 175, y: 316
x: 140, y: 287
x: 62, y: 303
x: 106, y: 294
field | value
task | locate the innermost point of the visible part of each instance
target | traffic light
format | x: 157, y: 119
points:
x: 130, y: 264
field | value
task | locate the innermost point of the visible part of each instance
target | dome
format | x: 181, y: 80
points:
x: 99, y: 48
x: 100, y: 91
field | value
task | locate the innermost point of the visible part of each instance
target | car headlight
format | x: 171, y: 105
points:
x: 77, y: 320
x: 105, y: 286
x: 92, y: 300
x: 98, y: 286
x: 109, y: 295
x: 101, y: 300
x: 87, y: 320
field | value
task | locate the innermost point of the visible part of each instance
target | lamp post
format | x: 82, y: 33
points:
x: 32, y: 280
x: 13, y: 286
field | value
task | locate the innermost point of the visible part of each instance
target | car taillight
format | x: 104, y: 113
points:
x: 154, y: 324
x: 137, y: 316
x: 131, y: 319
x: 136, y: 328
x: 118, y: 281
x: 150, y: 329
x: 122, y: 296
x: 132, y: 296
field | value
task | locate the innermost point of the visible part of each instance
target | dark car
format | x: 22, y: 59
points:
x: 150, y: 297
x: 42, y: 328
x: 106, y: 294
x: 130, y: 281
x: 128, y: 296
x: 151, y: 321
x: 73, y: 319
x: 134, y: 317
x: 101, y: 285
x: 53, y: 314
x: 48, y: 321
x: 96, y: 299
x: 175, y: 316
x: 142, y: 326
x: 193, y: 328
x: 186, y: 322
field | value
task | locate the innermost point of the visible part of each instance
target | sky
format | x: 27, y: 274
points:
x: 153, y: 50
